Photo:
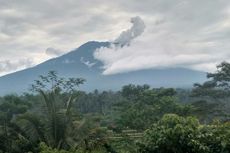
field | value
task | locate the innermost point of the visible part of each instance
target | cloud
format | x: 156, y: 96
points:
x: 128, y: 35
x: 53, y: 52
x: 161, y: 47
x: 175, y: 34
x: 87, y: 63
x: 28, y: 28
x: 8, y: 66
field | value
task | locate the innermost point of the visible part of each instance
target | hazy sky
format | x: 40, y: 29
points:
x: 178, y: 33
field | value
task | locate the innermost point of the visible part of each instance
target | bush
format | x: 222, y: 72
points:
x: 175, y: 134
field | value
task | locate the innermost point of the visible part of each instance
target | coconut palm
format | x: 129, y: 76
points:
x: 54, y: 125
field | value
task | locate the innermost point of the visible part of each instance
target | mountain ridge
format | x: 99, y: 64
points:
x: 80, y: 62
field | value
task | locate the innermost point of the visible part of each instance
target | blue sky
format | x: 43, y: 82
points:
x: 192, y: 34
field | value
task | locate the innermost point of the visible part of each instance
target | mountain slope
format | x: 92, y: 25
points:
x: 81, y: 63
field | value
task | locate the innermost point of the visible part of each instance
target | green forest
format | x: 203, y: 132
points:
x: 54, y: 116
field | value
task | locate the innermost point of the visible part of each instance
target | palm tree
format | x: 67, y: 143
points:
x: 56, y: 123
x: 57, y: 127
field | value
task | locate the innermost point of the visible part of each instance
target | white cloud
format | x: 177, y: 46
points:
x: 7, y: 66
x: 128, y: 35
x: 162, y: 47
x: 180, y: 33
x: 87, y: 63
x: 53, y: 52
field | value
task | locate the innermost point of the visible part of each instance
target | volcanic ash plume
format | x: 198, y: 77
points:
x: 136, y: 30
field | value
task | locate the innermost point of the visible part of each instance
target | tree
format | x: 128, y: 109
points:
x: 56, y: 124
x: 146, y: 106
x: 216, y: 91
x: 218, y: 85
x: 132, y: 92
x: 175, y: 134
x: 12, y: 139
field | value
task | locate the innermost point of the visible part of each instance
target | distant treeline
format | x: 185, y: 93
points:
x: 58, y: 118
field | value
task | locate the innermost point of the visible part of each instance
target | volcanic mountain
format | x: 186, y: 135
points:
x: 80, y: 62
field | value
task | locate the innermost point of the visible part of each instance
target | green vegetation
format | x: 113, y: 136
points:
x: 58, y: 118
x: 180, y: 135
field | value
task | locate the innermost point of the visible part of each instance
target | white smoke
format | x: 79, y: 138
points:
x: 160, y: 47
x: 136, y: 30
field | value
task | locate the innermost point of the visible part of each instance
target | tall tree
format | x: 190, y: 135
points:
x: 218, y: 84
x: 55, y: 128
x: 216, y: 90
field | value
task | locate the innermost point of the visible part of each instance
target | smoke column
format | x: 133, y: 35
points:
x: 136, y: 30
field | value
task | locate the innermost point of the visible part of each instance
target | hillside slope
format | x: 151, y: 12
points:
x: 81, y: 63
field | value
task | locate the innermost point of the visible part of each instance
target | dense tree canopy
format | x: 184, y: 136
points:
x: 146, y: 106
x: 175, y: 134
x: 58, y: 118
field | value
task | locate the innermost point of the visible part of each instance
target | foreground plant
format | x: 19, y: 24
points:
x: 175, y: 134
x: 55, y: 125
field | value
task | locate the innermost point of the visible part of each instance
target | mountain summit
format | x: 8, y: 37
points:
x: 80, y: 62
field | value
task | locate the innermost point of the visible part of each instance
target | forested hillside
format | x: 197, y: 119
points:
x: 56, y: 117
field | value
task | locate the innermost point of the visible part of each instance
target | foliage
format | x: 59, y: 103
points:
x: 55, y: 126
x: 45, y: 149
x: 218, y: 85
x: 207, y: 111
x: 216, y: 92
x: 175, y: 134
x: 97, y: 102
x: 140, y: 110
x: 57, y: 118
x: 12, y: 139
